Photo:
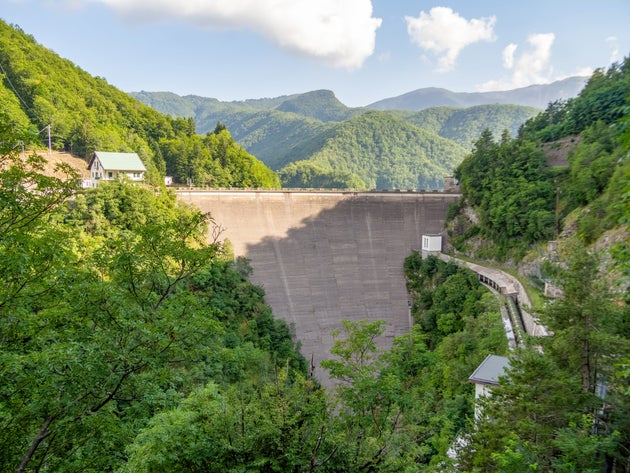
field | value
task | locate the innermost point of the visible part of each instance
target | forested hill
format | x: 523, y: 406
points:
x: 85, y: 113
x: 267, y: 128
x: 294, y: 128
x: 554, y: 205
x: 381, y: 150
x: 320, y: 105
x: 464, y: 125
x: 521, y: 200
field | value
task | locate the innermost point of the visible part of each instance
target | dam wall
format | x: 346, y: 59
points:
x: 322, y: 257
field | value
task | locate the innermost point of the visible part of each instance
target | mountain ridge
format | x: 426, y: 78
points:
x: 536, y: 95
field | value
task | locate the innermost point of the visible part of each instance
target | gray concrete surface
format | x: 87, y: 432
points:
x: 326, y: 256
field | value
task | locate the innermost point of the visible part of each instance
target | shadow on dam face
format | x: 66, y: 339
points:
x: 325, y: 257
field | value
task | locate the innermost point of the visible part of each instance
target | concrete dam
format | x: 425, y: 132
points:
x: 322, y: 257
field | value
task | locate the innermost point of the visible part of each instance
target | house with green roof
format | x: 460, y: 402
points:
x: 108, y: 166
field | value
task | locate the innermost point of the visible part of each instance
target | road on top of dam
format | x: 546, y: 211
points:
x: 323, y: 257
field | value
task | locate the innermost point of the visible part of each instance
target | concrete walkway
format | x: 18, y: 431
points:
x: 507, y: 285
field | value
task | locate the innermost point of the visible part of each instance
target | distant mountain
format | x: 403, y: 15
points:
x: 314, y: 140
x: 279, y: 130
x: 320, y: 104
x: 537, y: 96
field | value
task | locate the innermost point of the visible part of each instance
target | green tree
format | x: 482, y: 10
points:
x: 532, y: 402
x: 376, y: 435
x: 561, y: 406
x: 586, y: 323
x: 105, y: 318
x: 280, y: 425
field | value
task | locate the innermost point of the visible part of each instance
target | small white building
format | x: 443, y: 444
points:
x: 486, y: 376
x: 431, y: 244
x: 108, y: 166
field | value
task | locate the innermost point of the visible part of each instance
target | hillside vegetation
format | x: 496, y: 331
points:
x: 519, y: 200
x: 268, y: 128
x: 85, y: 113
x: 383, y: 151
x: 296, y: 131
x: 465, y: 125
x: 113, y: 306
x: 563, y: 404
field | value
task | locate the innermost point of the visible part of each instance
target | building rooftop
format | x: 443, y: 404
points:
x: 489, y: 370
x: 118, y: 161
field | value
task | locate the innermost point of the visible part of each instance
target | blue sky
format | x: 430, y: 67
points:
x: 362, y: 50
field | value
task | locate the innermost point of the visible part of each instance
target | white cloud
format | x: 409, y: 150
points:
x: 337, y: 33
x: 533, y: 66
x: 445, y: 33
x: 508, y: 55
x: 614, y: 54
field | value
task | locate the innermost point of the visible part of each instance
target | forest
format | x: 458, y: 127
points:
x: 564, y: 402
x: 380, y: 150
x: 313, y: 140
x: 113, y: 307
x: 521, y: 199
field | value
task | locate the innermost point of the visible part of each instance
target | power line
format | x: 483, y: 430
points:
x: 6, y: 76
x: 47, y: 127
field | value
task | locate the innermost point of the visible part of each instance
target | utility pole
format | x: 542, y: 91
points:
x: 47, y: 128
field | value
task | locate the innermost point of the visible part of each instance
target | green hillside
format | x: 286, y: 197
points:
x: 319, y: 104
x: 272, y: 135
x: 294, y: 128
x: 521, y: 200
x: 85, y: 113
x: 384, y: 151
x: 267, y: 128
x: 464, y: 125
x: 315, y: 141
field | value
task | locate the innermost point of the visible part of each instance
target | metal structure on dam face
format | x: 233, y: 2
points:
x: 322, y: 257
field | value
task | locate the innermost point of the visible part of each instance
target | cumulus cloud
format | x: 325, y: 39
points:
x: 445, y: 33
x: 338, y: 33
x: 533, y: 66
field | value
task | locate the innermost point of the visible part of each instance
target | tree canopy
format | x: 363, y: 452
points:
x: 113, y: 306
